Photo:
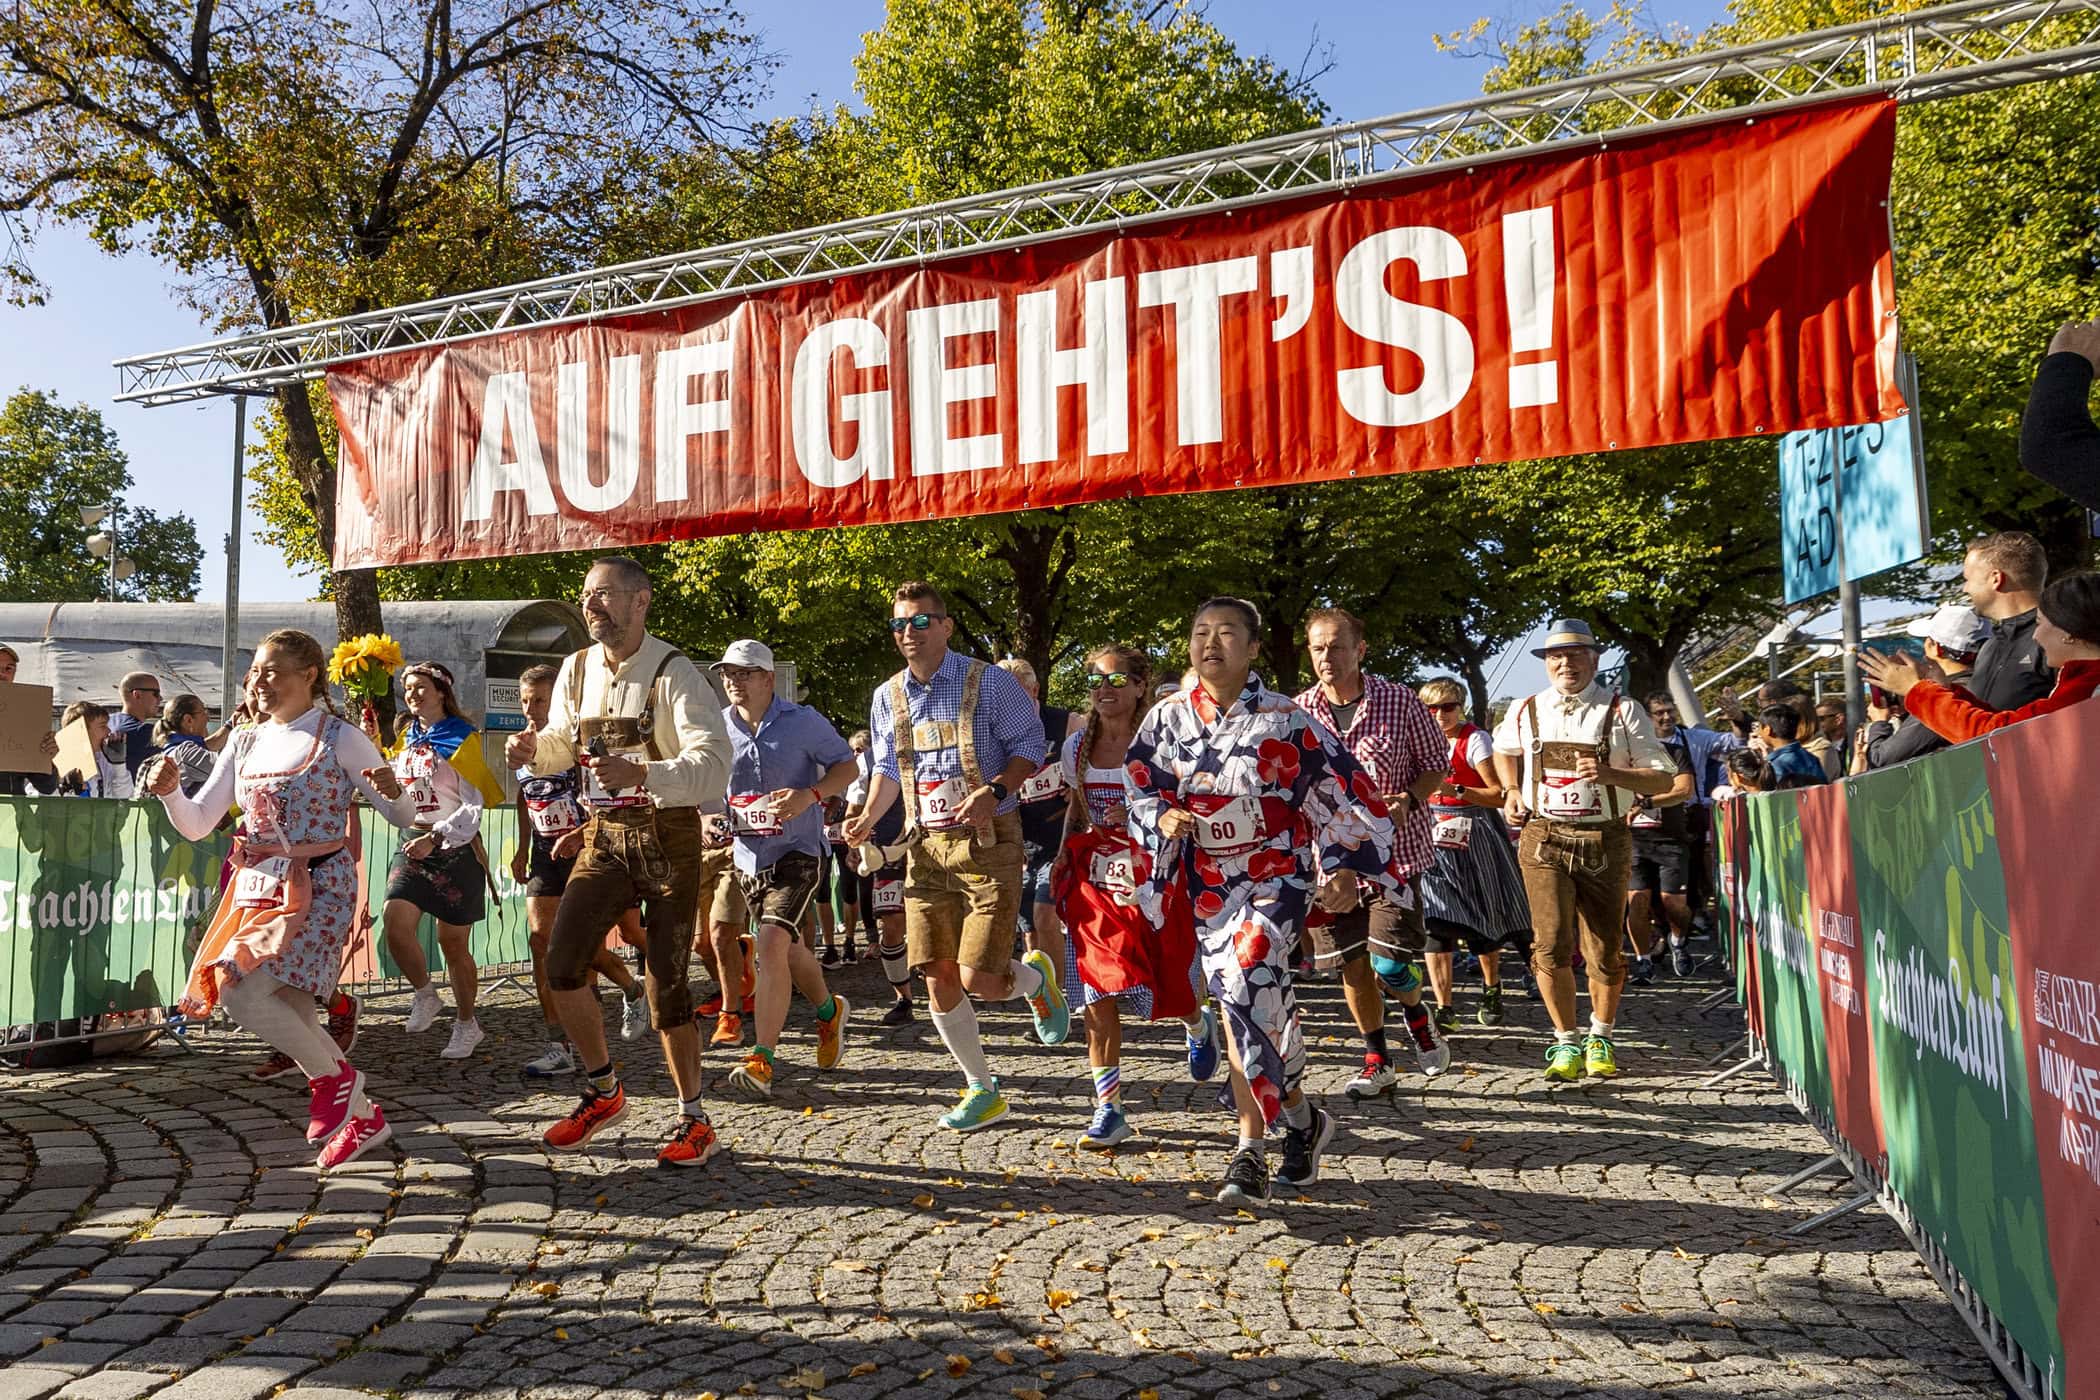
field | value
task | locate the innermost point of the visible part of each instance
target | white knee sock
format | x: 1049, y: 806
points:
x: 1028, y: 981
x: 260, y: 1004
x: 958, y: 1028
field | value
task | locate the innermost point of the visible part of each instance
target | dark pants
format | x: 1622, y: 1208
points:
x: 630, y: 855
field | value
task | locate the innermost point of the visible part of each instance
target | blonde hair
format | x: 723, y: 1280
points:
x: 1139, y: 665
x: 1442, y: 691
x: 1021, y: 671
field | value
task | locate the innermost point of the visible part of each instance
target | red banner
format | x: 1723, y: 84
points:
x: 2041, y: 776
x: 1841, y: 967
x: 1719, y: 282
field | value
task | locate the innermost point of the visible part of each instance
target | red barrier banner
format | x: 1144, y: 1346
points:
x: 1718, y: 282
x: 1841, y: 967
x: 2041, y: 778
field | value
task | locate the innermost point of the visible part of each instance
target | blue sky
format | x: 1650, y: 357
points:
x: 101, y: 308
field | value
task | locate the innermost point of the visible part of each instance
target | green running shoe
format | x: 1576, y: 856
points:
x: 1490, y: 1012
x: 981, y: 1106
x: 1053, y: 1018
x: 1564, y: 1063
x: 1598, y: 1057
x: 1447, y: 1018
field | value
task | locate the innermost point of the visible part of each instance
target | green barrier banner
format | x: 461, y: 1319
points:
x: 102, y: 905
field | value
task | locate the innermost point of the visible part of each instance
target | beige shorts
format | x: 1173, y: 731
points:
x: 721, y: 897
x: 962, y: 897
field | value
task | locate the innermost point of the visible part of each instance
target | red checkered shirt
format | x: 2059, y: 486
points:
x: 1397, y: 740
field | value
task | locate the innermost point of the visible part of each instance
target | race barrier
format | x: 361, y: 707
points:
x: 1918, y: 969
x: 102, y: 905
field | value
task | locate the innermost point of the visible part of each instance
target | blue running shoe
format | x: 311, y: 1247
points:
x: 1203, y: 1053
x: 1053, y: 1018
x: 981, y: 1106
x: 1108, y: 1128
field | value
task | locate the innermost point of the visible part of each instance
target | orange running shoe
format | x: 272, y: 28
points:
x: 831, y: 1034
x: 729, y: 1029
x: 592, y: 1115
x: 691, y: 1145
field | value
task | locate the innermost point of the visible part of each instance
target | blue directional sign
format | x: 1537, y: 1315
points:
x: 1855, y: 494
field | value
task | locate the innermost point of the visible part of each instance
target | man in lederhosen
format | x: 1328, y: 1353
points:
x: 645, y: 727
x: 1567, y: 757
x: 956, y: 737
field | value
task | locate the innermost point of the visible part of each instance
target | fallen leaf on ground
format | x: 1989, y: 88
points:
x: 1003, y: 1357
x: 547, y: 1290
x: 561, y: 1334
x: 1280, y: 1265
x: 851, y: 1266
x: 1026, y: 1394
x: 923, y: 1201
x: 1467, y: 1145
x: 958, y: 1364
x: 1059, y: 1298
x: 866, y: 1368
x: 1544, y: 1308
x: 811, y: 1378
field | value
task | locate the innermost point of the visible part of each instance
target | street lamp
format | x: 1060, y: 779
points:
x: 103, y: 543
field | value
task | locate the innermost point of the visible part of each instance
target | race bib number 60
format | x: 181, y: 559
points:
x: 1233, y: 826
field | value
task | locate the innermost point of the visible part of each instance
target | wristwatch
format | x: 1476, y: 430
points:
x: 999, y: 790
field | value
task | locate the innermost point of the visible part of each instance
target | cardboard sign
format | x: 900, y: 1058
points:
x: 25, y: 722
x: 76, y: 752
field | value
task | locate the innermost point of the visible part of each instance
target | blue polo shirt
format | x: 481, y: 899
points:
x: 1008, y: 726
x: 792, y: 747
x: 1797, y: 763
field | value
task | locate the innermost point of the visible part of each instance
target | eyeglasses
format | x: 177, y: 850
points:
x: 143, y: 690
x: 1114, y: 680
x: 603, y: 595
x: 917, y: 622
x: 1445, y: 707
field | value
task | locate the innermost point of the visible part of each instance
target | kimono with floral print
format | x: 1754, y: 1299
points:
x: 1318, y: 813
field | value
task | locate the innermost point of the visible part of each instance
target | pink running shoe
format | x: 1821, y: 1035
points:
x: 354, y: 1139
x: 329, y: 1105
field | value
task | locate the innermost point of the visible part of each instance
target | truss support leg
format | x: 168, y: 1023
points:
x: 1808, y: 1173
x: 1729, y: 1051
x: 1863, y: 1199
x: 1754, y: 1062
x: 1720, y: 996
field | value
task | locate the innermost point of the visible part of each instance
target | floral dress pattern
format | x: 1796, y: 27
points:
x: 1319, y: 814
x: 282, y: 808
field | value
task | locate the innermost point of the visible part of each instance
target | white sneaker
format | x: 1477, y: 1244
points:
x: 423, y: 1010
x: 1431, y: 1049
x: 556, y: 1060
x: 634, y: 1016
x: 1377, y: 1077
x: 465, y: 1036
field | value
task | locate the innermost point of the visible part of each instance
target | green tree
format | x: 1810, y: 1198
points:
x: 303, y: 161
x: 53, y: 461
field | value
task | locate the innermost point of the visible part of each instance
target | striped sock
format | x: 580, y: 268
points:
x: 1108, y: 1082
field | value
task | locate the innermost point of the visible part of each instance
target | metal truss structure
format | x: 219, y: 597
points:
x: 1945, y: 51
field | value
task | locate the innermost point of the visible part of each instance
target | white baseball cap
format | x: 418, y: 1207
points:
x: 1955, y: 628
x: 756, y: 655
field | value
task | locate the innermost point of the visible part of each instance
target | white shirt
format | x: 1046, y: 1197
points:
x: 1586, y: 717
x: 688, y: 719
x: 446, y: 804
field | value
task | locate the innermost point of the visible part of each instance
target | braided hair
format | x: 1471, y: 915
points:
x: 1139, y: 665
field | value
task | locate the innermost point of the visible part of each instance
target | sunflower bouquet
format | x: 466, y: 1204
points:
x: 364, y: 667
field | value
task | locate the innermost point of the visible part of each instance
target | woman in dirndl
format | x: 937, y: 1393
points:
x: 1472, y: 894
x: 276, y: 942
x: 438, y: 871
x: 1115, y: 955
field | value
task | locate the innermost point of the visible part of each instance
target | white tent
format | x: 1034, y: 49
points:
x: 83, y: 650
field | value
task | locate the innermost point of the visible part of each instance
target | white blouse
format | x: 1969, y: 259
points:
x: 444, y: 803
x: 274, y: 747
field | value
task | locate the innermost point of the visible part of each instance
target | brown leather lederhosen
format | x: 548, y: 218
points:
x: 644, y: 854
x: 1575, y: 873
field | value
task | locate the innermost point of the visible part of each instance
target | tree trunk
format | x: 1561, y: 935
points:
x: 1474, y: 667
x: 1039, y: 555
x: 356, y: 591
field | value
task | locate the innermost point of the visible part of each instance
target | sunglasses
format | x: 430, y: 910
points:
x: 1114, y: 680
x: 917, y: 622
x: 1445, y: 707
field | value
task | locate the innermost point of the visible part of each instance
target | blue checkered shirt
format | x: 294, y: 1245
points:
x: 1009, y: 725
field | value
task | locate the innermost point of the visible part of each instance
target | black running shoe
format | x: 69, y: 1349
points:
x: 1680, y: 960
x: 1302, y: 1148
x: 1246, y: 1180
x: 899, y: 1014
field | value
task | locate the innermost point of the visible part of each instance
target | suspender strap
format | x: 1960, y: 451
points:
x: 907, y: 752
x: 1530, y: 714
x: 1611, y: 718
x: 1531, y: 754
x: 907, y: 756
x: 647, y: 720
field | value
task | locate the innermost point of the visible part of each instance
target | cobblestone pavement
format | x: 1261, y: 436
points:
x: 164, y: 1231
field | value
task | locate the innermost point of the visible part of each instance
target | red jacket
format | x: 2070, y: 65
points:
x: 1954, y: 715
